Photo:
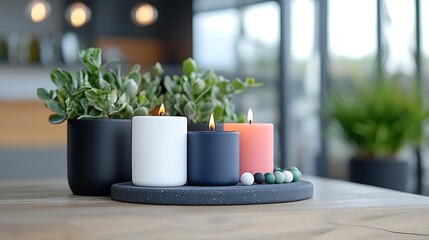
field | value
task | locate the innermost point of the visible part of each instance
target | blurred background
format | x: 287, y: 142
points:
x: 300, y: 49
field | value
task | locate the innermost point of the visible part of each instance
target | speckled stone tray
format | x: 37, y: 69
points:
x: 225, y: 195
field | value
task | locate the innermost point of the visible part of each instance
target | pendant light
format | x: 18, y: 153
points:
x: 144, y: 14
x: 38, y: 10
x: 77, y: 14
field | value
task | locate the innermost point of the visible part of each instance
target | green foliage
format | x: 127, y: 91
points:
x: 380, y: 120
x: 100, y: 91
x: 196, y: 94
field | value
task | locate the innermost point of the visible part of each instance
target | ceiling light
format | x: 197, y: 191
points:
x: 144, y: 14
x: 38, y: 10
x: 77, y: 14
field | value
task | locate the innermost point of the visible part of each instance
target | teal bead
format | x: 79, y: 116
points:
x: 296, y: 169
x: 295, y: 174
x: 280, y: 177
x: 269, y: 178
x: 277, y: 169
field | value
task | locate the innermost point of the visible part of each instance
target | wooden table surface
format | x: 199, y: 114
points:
x: 338, y: 210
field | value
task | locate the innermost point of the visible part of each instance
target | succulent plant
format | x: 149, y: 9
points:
x: 99, y: 91
x: 196, y: 93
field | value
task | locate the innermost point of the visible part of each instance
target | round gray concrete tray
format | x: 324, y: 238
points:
x: 222, y: 195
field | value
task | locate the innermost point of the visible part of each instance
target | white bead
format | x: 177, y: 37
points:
x: 247, y: 178
x: 280, y: 177
x: 288, y: 176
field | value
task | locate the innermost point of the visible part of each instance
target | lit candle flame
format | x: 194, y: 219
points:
x: 211, y: 123
x: 250, y: 116
x: 161, y: 110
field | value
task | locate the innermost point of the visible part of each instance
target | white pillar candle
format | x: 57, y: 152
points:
x: 159, y: 151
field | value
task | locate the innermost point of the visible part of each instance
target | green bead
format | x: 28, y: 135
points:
x: 296, y: 169
x: 269, y: 178
x: 276, y: 169
x: 280, y: 177
x: 295, y: 174
x: 292, y: 168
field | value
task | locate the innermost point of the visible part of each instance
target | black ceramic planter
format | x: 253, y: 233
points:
x: 204, y: 127
x: 98, y: 155
x: 392, y: 174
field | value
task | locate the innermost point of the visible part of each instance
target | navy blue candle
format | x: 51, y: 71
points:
x: 213, y: 158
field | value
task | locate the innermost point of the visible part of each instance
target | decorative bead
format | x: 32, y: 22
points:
x: 280, y: 178
x: 269, y: 178
x: 259, y: 178
x: 288, y: 176
x: 247, y: 178
x: 277, y: 169
x: 296, y: 169
x: 295, y: 174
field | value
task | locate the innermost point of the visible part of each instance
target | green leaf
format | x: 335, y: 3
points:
x: 103, y: 84
x: 199, y: 86
x: 256, y: 84
x: 224, y: 87
x: 123, y: 106
x: 99, y: 106
x: 218, y: 112
x: 157, y: 69
x: 58, y: 78
x: 43, y: 94
x: 141, y: 99
x: 178, y: 107
x: 136, y: 68
x: 113, y: 97
x: 55, y: 106
x: 169, y: 84
x: 141, y: 111
x: 128, y: 112
x: 250, y: 81
x: 80, y: 91
x: 189, y: 66
x: 151, y: 90
x: 95, y: 113
x: 206, y: 107
x: 187, y: 89
x: 119, y: 80
x: 136, y: 77
x: 84, y: 104
x: 91, y: 58
x: 56, y: 118
x: 131, y: 88
x: 91, y: 95
x: 73, y: 114
x: 123, y: 99
x: 81, y: 78
x: 237, y: 85
x: 188, y: 110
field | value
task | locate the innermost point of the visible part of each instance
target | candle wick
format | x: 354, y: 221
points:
x: 250, y: 121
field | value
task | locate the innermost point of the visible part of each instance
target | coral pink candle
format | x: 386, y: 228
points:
x: 256, y: 145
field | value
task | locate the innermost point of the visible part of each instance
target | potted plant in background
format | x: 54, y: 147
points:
x: 379, y: 121
x: 197, y: 93
x: 98, y: 105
